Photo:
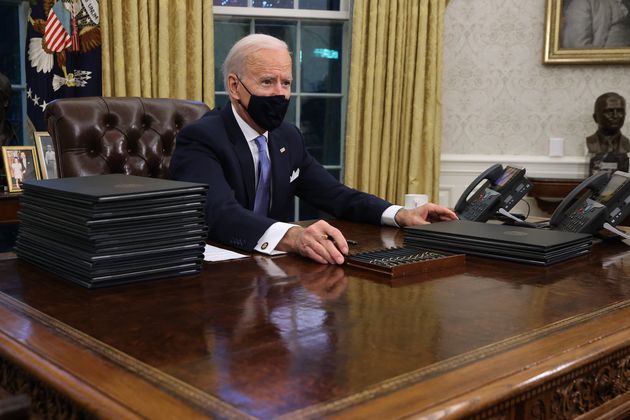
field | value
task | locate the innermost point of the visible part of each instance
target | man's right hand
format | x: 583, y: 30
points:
x: 320, y: 242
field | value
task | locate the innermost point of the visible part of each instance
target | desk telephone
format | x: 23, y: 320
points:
x: 503, y: 188
x: 598, y: 199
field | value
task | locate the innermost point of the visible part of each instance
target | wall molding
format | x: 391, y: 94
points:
x: 536, y: 166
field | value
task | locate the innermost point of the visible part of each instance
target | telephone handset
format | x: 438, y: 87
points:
x: 598, y: 199
x: 503, y: 188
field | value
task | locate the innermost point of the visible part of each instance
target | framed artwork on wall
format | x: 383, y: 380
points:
x: 20, y: 164
x: 587, y: 32
x: 47, y: 155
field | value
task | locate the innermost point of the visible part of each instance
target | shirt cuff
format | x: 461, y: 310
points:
x: 388, y: 218
x: 269, y: 241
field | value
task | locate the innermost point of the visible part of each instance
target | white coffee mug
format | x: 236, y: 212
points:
x: 415, y: 200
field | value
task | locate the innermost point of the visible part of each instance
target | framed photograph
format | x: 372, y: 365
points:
x: 47, y: 155
x: 587, y: 32
x: 20, y: 164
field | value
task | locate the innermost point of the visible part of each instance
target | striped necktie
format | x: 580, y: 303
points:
x: 263, y: 190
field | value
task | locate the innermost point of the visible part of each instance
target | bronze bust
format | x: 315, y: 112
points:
x: 610, y: 113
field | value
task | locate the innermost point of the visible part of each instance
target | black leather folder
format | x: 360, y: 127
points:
x: 111, y: 188
x: 110, y: 229
x: 135, y: 207
x: 508, y: 242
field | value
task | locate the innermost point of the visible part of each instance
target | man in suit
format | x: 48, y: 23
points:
x: 7, y: 134
x: 254, y: 164
x: 28, y: 167
x: 596, y: 24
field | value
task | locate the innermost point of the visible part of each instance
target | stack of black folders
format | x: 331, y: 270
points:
x: 112, y: 229
x: 506, y: 242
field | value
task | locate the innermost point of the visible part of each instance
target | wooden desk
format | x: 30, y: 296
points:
x: 549, y: 192
x: 487, y: 339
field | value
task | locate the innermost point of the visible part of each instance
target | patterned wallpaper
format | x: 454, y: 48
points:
x: 498, y: 97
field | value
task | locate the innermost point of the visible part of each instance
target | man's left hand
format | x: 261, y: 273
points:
x: 423, y: 215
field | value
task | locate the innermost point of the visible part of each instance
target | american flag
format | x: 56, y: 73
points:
x: 57, y: 32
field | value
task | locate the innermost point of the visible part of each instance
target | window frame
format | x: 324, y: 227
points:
x: 19, y: 89
x: 278, y: 13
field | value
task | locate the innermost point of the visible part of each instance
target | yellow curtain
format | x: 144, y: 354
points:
x: 158, y: 49
x: 393, y: 131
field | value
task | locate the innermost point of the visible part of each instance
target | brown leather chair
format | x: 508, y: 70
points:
x: 133, y: 136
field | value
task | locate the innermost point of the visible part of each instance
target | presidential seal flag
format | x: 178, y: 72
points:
x: 63, y: 53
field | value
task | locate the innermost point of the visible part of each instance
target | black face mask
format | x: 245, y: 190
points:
x: 266, y: 111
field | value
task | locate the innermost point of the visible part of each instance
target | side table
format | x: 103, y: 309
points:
x: 9, y: 204
x: 549, y: 192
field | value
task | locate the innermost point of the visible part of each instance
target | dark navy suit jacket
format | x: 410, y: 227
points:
x: 213, y: 150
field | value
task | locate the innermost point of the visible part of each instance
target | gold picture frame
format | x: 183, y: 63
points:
x: 47, y: 155
x: 26, y: 158
x: 559, y: 49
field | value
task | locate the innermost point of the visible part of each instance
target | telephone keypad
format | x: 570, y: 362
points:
x: 574, y: 222
x: 580, y: 215
x: 479, y: 204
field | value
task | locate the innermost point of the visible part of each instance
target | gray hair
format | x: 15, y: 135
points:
x: 236, y: 60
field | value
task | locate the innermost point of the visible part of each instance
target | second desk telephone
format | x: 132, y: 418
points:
x: 601, y: 198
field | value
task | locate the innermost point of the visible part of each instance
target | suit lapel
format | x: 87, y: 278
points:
x: 243, y: 153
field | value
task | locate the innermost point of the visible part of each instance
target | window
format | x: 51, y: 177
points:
x: 317, y: 32
x: 12, y: 42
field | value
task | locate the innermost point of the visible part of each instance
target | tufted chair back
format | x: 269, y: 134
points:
x: 133, y: 136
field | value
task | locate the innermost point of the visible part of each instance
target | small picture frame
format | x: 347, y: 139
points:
x: 20, y: 164
x: 47, y: 155
x: 578, y: 33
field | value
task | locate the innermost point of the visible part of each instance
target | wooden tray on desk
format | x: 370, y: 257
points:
x: 403, y: 261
